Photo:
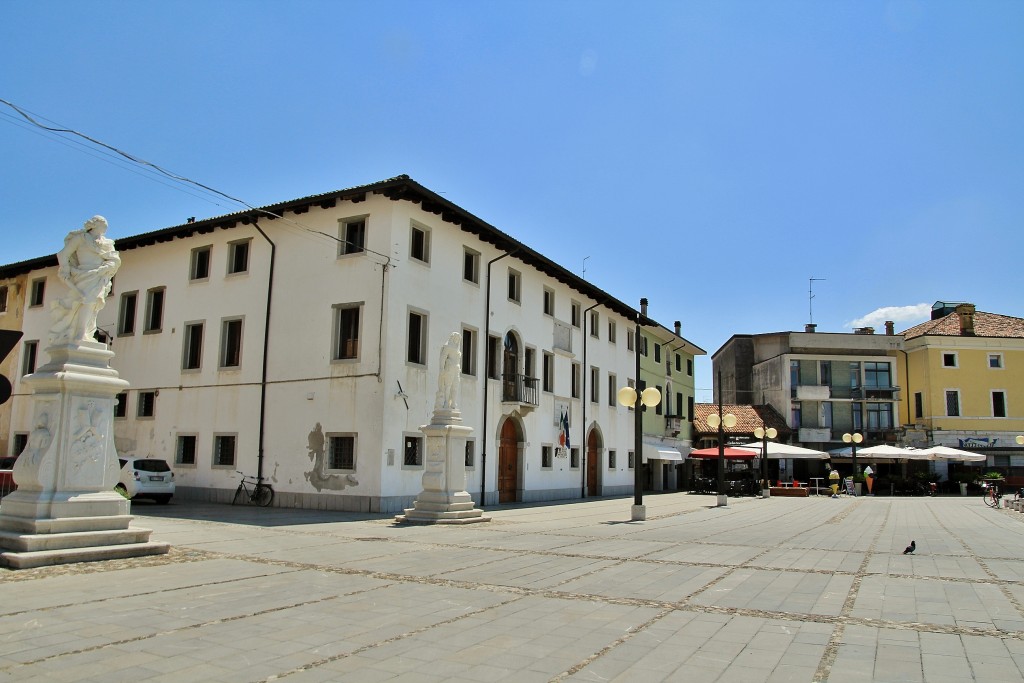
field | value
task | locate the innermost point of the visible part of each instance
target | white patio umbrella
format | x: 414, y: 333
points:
x: 947, y: 453
x: 887, y: 451
x: 778, y: 451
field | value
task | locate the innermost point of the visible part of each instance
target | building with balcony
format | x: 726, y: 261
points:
x: 965, y: 383
x: 300, y: 342
x: 825, y: 384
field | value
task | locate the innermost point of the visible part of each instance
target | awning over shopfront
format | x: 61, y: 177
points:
x: 660, y: 451
x: 731, y: 453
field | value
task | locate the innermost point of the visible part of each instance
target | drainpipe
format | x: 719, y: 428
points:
x: 266, y: 344
x: 584, y: 399
x: 487, y: 364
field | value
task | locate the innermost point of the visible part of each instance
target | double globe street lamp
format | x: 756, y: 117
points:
x: 853, y: 440
x: 649, y: 397
x: 721, y: 421
x: 764, y: 435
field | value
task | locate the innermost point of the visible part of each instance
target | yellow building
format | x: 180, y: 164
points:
x: 964, y: 382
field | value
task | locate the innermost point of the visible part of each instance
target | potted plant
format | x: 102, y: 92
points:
x: 963, y: 479
x: 858, y: 483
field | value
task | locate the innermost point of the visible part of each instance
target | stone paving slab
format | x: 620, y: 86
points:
x: 811, y: 589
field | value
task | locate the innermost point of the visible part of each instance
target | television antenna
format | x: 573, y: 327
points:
x: 810, y: 296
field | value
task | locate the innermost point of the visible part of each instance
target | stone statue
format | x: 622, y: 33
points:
x: 87, y: 264
x: 449, y: 374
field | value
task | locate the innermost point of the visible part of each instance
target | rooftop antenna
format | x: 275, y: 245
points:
x: 810, y: 296
x: 585, y: 267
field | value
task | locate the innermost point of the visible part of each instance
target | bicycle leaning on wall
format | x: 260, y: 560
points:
x: 258, y: 494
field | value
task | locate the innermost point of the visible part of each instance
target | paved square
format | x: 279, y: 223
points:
x: 782, y: 589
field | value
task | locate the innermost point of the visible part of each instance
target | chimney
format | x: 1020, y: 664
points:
x: 890, y: 328
x: 810, y: 328
x: 966, y: 314
x: 643, y: 307
x: 679, y: 328
x: 864, y: 330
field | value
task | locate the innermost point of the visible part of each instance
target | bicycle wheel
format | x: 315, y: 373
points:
x: 989, y: 500
x: 238, y: 495
x: 263, y: 495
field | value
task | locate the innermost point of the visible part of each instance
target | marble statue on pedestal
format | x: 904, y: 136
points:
x: 444, y: 499
x: 65, y: 508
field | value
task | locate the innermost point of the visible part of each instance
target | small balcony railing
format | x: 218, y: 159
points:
x: 519, y: 389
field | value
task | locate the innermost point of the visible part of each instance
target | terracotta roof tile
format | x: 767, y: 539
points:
x: 985, y: 325
x: 748, y: 418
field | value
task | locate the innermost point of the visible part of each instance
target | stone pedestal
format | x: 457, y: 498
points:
x: 444, y: 499
x: 65, y: 509
x: 638, y: 513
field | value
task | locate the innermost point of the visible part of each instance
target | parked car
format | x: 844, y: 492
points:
x: 146, y: 478
x: 7, y: 475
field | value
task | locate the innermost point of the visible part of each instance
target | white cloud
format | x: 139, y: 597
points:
x: 898, y: 314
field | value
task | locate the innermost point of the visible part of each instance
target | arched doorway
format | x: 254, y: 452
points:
x: 593, y: 461
x: 508, y: 463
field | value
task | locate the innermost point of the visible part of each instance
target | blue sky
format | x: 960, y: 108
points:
x: 710, y: 156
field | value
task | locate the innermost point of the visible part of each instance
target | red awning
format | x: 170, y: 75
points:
x: 730, y: 453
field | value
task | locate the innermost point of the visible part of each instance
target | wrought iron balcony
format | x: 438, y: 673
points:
x: 519, y: 389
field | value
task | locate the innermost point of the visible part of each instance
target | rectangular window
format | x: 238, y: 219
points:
x: 192, y: 353
x: 611, y: 460
x: 918, y: 404
x: 493, y: 357
x: 953, y: 403
x: 413, y: 452
x: 854, y: 374
x: 613, y: 389
x: 548, y: 383
x: 689, y: 367
x: 419, y: 244
x: 470, y: 453
x: 346, y: 331
x: 126, y: 317
x: 995, y: 360
x: 416, y: 341
x: 595, y: 322
x: 549, y: 302
x: 546, y: 457
x: 470, y: 266
x: 657, y: 353
x: 37, y: 293
x: 826, y: 414
x: 689, y: 408
x: 185, y: 453
x: 353, y: 236
x: 468, y: 352
x: 121, y: 404
x: 679, y: 363
x: 341, y: 452
x: 949, y: 360
x: 3, y: 298
x: 630, y: 339
x: 238, y: 257
x: 199, y: 268
x: 575, y: 380
x: 858, y: 416
x: 631, y: 460
x: 528, y: 361
x: 611, y: 331
x: 515, y: 280
x: 877, y: 375
x: 679, y: 405
x: 825, y: 374
x: 154, y: 310
x: 998, y: 404
x: 147, y: 404
x: 28, y: 358
x: 658, y: 408
x: 879, y: 416
x: 231, y: 343
x: 595, y: 385
x: 575, y: 312
x: 574, y: 458
x: 644, y: 345
x: 224, y: 446
x: 18, y: 443
x: 796, y: 414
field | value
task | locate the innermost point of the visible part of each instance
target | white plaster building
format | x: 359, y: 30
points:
x: 300, y: 342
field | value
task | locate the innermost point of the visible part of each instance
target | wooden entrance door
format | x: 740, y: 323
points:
x: 508, y: 463
x: 592, y: 460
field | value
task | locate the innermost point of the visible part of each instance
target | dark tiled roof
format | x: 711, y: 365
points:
x: 985, y: 325
x: 748, y: 418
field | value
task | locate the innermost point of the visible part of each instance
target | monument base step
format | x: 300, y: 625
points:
x: 414, y: 516
x: 20, y: 542
x: 46, y: 558
x: 63, y: 525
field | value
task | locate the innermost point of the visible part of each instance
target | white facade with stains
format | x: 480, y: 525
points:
x: 352, y: 352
